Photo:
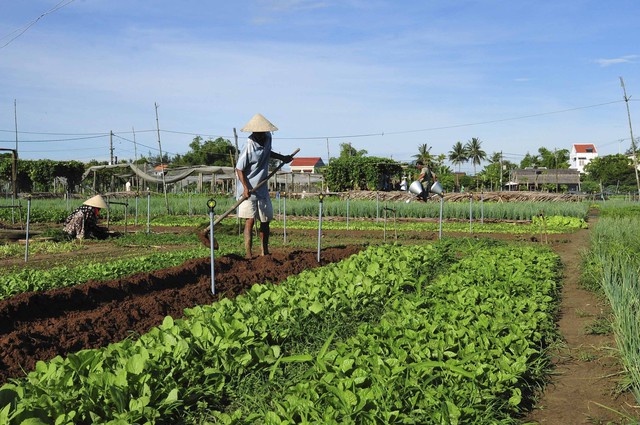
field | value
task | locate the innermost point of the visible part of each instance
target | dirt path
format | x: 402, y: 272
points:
x: 584, y: 387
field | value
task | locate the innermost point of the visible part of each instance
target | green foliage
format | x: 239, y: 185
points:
x: 556, y: 159
x: 361, y: 173
x: 611, y: 170
x: 348, y: 151
x: 458, y: 154
x: 614, y: 264
x: 548, y: 225
x: 27, y: 279
x: 425, y: 156
x: 420, y: 339
x: 38, y: 175
x: 191, y: 210
x: 38, y: 247
x: 210, y: 152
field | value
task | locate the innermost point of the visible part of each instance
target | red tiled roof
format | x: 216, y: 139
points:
x: 587, y: 148
x: 307, y: 162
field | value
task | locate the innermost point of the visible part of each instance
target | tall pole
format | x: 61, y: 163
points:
x: 135, y: 145
x: 14, y: 173
x: 235, y: 136
x: 633, y: 141
x: 110, y: 147
x: 501, y: 171
x: 555, y: 158
x: 135, y: 160
x: 235, y: 181
x: 15, y: 116
x: 164, y: 185
x: 328, y: 154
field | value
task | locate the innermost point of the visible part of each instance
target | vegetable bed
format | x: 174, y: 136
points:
x: 448, y: 333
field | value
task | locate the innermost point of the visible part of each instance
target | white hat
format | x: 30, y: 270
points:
x: 259, y: 124
x: 96, y: 201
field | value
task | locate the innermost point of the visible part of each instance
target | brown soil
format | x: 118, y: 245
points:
x: 583, y: 388
x: 42, y: 325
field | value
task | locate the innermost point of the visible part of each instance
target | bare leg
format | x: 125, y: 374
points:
x: 264, y: 237
x: 248, y: 236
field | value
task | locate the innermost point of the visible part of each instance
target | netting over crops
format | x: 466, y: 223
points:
x: 171, y: 175
x: 285, y: 180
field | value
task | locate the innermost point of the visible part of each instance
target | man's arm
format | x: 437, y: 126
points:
x: 284, y: 158
x: 245, y: 183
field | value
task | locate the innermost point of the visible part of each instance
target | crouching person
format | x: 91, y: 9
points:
x: 82, y: 223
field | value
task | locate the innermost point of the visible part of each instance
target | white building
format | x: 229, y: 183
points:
x: 581, y: 155
x: 306, y: 165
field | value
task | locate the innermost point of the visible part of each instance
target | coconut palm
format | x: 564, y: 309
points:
x: 424, y: 155
x: 475, y: 154
x: 458, y: 155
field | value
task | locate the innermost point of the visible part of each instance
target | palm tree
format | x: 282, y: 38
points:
x: 424, y: 155
x: 475, y: 154
x: 458, y: 156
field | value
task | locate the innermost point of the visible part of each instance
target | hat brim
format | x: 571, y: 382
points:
x: 258, y: 124
x: 96, y: 202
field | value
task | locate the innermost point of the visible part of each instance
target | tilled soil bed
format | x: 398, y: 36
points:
x: 41, y: 325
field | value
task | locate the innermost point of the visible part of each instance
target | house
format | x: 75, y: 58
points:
x: 158, y: 170
x: 533, y: 178
x: 581, y: 155
x: 306, y: 165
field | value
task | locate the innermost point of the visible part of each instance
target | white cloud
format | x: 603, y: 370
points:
x: 615, y: 61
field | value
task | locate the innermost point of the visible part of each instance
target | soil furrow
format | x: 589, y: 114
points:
x: 40, y: 326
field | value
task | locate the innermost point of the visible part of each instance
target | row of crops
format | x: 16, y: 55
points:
x: 141, y: 209
x: 614, y: 267
x: 23, y: 278
x: 453, y: 332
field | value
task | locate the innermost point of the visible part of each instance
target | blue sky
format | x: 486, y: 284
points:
x: 385, y: 76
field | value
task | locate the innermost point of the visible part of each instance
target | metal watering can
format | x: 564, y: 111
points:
x: 417, y: 189
x: 437, y: 188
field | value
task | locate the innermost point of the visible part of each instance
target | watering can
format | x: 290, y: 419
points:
x: 436, y: 188
x: 417, y: 189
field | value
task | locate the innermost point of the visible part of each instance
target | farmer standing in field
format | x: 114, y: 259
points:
x: 426, y: 178
x: 82, y: 223
x: 252, y: 168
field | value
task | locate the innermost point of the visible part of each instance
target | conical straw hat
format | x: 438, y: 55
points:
x: 96, y: 201
x: 259, y: 124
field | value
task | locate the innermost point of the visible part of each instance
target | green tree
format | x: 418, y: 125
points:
x: 70, y: 170
x: 555, y: 159
x: 529, y: 161
x: 361, y: 173
x: 475, y: 153
x: 154, y: 159
x: 23, y: 181
x: 458, y: 155
x: 612, y: 170
x: 424, y: 155
x: 348, y: 151
x: 42, y: 174
x: 496, y: 171
x: 210, y: 152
